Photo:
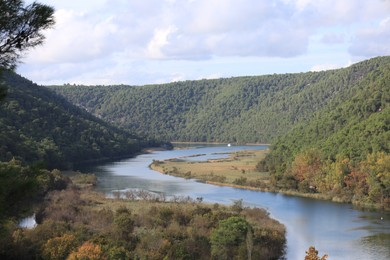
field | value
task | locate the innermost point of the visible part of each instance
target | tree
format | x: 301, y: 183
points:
x: 88, y: 251
x: 3, y: 89
x: 21, y: 29
x: 312, y: 254
x: 229, y: 239
x: 306, y: 167
x: 59, y: 247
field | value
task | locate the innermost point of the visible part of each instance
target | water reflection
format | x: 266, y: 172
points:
x: 28, y: 222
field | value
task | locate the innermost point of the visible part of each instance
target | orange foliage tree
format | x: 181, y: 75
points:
x: 59, y: 247
x: 88, y: 251
x: 312, y: 254
x: 306, y: 168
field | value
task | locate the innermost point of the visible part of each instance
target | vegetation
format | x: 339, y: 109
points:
x: 21, y: 29
x: 329, y: 130
x: 312, y: 254
x: 344, y: 150
x: 39, y: 129
x: 79, y: 224
x: 19, y: 185
x: 36, y: 125
x: 244, y: 109
x: 238, y: 170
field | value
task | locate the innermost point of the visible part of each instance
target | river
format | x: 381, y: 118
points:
x: 339, y: 230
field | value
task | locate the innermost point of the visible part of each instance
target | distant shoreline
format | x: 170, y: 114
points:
x: 237, y: 144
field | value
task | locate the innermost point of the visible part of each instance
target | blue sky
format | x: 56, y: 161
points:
x: 157, y: 41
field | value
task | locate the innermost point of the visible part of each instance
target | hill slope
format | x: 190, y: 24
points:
x: 38, y: 125
x: 245, y: 109
x: 353, y: 128
x: 343, y: 151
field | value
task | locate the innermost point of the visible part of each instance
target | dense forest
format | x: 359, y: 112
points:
x: 244, y: 109
x: 329, y: 130
x: 37, y: 125
x: 40, y: 131
x: 344, y: 150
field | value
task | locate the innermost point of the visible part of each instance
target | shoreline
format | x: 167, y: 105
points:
x: 317, y: 196
x: 216, y: 143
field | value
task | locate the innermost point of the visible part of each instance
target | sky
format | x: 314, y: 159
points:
x: 138, y: 42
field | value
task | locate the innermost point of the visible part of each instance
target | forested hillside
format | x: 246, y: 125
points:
x: 329, y: 130
x: 37, y: 125
x: 344, y: 150
x: 244, y: 109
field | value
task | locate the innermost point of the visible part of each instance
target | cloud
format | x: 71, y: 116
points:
x: 76, y: 38
x: 333, y: 38
x: 322, y: 67
x: 200, y: 29
x: 160, y: 39
x: 122, y: 38
x: 370, y: 42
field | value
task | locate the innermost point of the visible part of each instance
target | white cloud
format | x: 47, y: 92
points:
x: 374, y: 41
x: 76, y: 38
x: 160, y: 39
x: 111, y: 36
x: 333, y: 38
x: 322, y: 67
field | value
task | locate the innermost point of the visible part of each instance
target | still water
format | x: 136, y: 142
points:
x: 336, y: 229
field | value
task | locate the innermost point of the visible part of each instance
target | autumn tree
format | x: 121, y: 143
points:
x: 312, y: 254
x: 306, y: 168
x: 377, y: 166
x: 59, y: 247
x: 88, y: 251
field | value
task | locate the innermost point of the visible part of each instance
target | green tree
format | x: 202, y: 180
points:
x: 228, y: 241
x: 21, y: 29
x: 3, y: 89
x: 124, y: 223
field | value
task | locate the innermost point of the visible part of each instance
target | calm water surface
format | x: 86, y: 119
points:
x: 336, y: 229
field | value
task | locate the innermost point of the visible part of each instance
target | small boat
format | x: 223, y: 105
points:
x: 229, y: 145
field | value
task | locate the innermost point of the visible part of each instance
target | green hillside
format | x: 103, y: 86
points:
x: 329, y: 130
x: 353, y: 129
x: 244, y: 109
x: 37, y: 125
x: 343, y: 151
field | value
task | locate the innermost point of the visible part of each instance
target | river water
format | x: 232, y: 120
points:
x: 339, y: 230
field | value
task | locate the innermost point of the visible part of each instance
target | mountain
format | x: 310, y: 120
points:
x: 329, y: 130
x: 342, y: 152
x: 242, y: 110
x: 352, y: 128
x: 37, y: 125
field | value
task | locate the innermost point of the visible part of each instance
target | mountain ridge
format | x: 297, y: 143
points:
x: 233, y: 110
x: 38, y: 125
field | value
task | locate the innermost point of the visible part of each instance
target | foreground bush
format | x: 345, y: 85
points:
x: 81, y: 224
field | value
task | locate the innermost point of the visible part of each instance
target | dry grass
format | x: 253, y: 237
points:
x: 237, y: 170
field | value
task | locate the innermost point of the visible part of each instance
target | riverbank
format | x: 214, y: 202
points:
x: 139, y: 224
x: 239, y: 171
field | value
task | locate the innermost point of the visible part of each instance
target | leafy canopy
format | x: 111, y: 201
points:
x: 21, y: 29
